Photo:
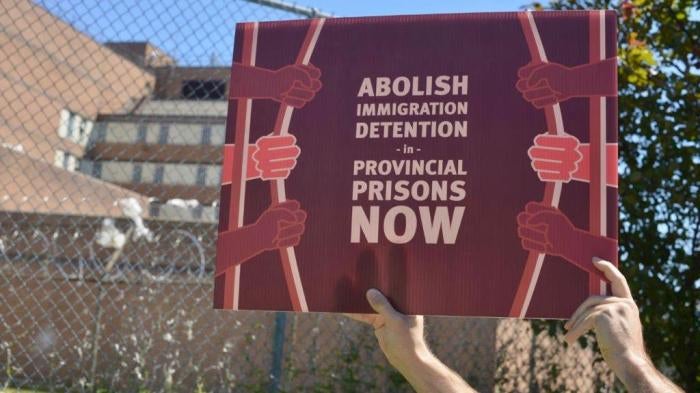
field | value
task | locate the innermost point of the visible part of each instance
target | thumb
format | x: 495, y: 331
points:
x: 381, y: 304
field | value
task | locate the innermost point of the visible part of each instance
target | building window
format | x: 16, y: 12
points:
x: 65, y: 160
x: 206, y: 135
x: 73, y: 130
x: 101, y: 134
x: 163, y: 134
x: 141, y: 133
x: 58, y: 158
x: 158, y: 175
x: 136, y: 174
x: 201, y: 175
x: 204, y: 89
x: 97, y: 169
x: 84, y: 132
x: 74, y: 127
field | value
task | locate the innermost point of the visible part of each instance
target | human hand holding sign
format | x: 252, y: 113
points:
x: 545, y: 229
x: 402, y: 339
x: 618, y: 329
x: 294, y: 84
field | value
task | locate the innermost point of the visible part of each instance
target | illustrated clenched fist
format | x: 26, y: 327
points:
x: 555, y: 157
x: 295, y: 84
x: 545, y: 229
x: 281, y: 225
x: 543, y: 84
x: 274, y: 157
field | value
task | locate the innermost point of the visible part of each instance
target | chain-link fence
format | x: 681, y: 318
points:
x: 112, y: 120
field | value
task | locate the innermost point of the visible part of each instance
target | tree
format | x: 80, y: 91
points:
x: 659, y: 111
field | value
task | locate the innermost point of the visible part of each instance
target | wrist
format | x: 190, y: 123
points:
x: 416, y: 358
x: 634, y: 369
x: 426, y: 373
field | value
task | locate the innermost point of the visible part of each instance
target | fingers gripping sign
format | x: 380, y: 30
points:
x: 399, y: 335
x: 401, y: 338
x: 596, y: 310
x: 615, y: 320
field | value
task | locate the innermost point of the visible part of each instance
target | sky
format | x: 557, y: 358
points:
x: 200, y: 32
x: 394, y: 7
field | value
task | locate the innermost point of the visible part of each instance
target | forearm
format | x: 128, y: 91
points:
x: 427, y: 374
x: 639, y: 375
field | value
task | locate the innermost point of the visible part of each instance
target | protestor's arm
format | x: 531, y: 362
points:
x: 618, y: 329
x: 402, y: 340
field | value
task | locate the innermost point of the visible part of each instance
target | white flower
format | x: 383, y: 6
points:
x: 168, y: 337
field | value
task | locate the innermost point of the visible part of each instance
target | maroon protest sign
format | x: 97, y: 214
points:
x: 462, y: 164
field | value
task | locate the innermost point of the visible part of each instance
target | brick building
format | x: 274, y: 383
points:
x: 168, y: 147
x: 121, y: 112
x: 54, y: 80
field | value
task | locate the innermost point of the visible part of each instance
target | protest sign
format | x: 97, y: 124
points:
x: 463, y: 164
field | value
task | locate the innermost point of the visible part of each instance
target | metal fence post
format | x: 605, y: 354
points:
x: 277, y: 351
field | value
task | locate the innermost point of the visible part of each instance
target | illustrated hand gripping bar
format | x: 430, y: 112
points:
x: 228, y: 271
x: 552, y: 193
